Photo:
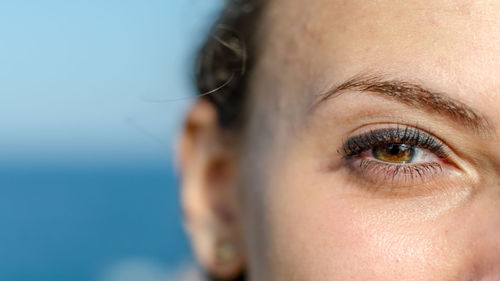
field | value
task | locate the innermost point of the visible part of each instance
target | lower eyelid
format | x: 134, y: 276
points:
x: 378, y: 173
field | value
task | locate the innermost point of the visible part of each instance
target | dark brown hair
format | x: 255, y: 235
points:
x: 226, y: 59
x: 224, y: 63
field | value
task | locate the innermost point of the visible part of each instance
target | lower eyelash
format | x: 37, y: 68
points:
x: 398, y: 174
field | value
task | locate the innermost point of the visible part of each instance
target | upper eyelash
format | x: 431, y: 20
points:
x: 404, y: 135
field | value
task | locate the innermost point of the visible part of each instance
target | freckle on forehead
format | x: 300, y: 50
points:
x: 433, y: 19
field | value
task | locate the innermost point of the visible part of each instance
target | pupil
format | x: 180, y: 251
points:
x: 397, y: 149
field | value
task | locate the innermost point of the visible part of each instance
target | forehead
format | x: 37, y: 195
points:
x: 452, y: 46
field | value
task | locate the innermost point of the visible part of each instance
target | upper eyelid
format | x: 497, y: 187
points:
x: 409, y: 135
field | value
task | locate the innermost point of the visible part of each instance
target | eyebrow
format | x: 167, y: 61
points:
x: 415, y: 96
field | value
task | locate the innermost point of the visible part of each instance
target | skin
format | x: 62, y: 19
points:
x: 282, y: 194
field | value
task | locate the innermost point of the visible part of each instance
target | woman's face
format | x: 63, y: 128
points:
x: 372, y: 149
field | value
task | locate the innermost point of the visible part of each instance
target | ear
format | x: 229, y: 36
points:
x: 207, y: 163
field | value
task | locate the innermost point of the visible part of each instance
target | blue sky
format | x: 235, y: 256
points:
x: 81, y: 79
x: 101, y: 85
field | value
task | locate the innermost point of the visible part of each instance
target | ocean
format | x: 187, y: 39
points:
x: 79, y: 222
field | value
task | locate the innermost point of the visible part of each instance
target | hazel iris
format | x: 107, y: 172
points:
x: 394, y: 153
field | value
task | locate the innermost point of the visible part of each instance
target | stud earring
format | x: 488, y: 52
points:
x: 226, y: 252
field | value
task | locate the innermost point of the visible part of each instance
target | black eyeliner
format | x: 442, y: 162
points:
x: 407, y: 135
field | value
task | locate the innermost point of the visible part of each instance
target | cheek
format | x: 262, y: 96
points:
x: 360, y: 246
x: 316, y: 233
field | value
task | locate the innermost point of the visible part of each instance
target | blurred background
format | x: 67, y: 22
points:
x: 92, y: 96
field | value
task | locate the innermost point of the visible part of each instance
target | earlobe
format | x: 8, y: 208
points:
x: 210, y: 203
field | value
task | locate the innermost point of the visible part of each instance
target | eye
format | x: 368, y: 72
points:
x: 397, y: 145
x: 396, y: 157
